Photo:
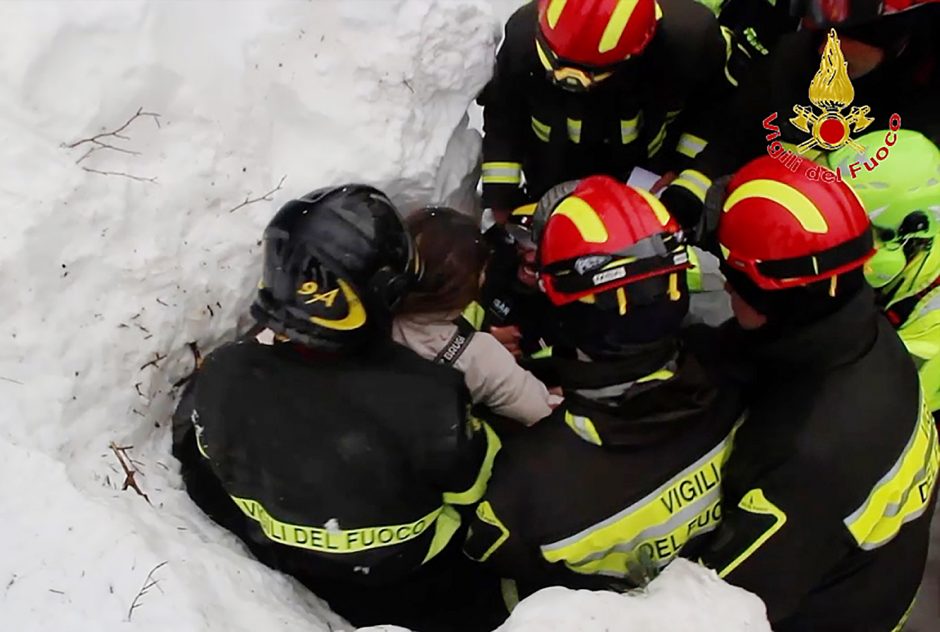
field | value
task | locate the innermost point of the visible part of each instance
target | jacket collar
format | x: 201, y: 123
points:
x: 835, y: 340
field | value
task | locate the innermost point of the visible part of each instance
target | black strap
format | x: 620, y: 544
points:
x: 899, y: 312
x: 457, y: 344
x: 821, y: 262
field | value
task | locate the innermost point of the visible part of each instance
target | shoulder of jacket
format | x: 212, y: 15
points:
x: 688, y: 25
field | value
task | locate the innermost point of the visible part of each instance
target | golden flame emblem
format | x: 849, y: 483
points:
x: 831, y: 91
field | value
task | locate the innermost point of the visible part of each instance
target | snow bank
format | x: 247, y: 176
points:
x: 685, y: 598
x: 112, y: 259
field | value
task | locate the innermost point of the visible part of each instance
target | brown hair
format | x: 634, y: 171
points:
x: 452, y: 250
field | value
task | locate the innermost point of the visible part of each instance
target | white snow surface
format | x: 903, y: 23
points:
x: 112, y: 261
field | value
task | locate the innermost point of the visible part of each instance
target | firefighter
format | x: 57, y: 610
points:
x: 594, y: 87
x: 829, y: 489
x: 608, y: 489
x: 902, y: 197
x: 893, y: 59
x: 337, y: 455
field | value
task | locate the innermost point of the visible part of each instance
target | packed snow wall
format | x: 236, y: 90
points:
x: 145, y: 146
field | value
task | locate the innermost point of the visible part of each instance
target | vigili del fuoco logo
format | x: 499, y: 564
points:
x: 827, y: 123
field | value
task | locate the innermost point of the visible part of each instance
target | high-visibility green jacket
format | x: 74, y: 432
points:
x: 912, y: 304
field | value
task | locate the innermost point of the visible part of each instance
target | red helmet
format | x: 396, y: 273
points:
x: 783, y: 229
x: 594, y: 34
x: 604, y: 235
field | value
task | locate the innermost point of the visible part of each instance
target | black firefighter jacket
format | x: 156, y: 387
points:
x: 829, y: 490
x: 760, y: 111
x: 335, y: 468
x: 608, y: 489
x: 627, y: 120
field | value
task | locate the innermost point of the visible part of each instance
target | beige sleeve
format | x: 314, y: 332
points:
x: 494, y: 379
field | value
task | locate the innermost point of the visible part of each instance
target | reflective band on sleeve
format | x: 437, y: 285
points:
x: 583, y: 427
x: 574, y: 131
x: 474, y: 314
x: 653, y: 530
x: 476, y: 491
x: 325, y: 540
x: 542, y: 131
x: 693, y: 275
x: 695, y: 182
x: 502, y: 173
x: 445, y: 527
x: 630, y: 130
x: 691, y: 145
x: 729, y: 45
x: 656, y: 144
x: 904, y: 492
x: 541, y: 354
x: 486, y: 515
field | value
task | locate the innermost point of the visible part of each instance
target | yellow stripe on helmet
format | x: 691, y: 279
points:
x: 555, y: 7
x: 524, y: 210
x: 585, y: 219
x: 617, y: 24
x: 661, y: 213
x: 800, y: 206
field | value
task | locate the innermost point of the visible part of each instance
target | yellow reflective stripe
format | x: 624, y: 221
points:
x: 756, y: 503
x: 474, y: 314
x: 200, y: 443
x: 905, y: 617
x: 585, y: 219
x: 657, y: 142
x: 725, y: 251
x: 661, y: 375
x: 616, y: 26
x: 525, y: 210
x: 794, y: 201
x: 542, y: 353
x: 555, y: 7
x: 695, y: 182
x: 583, y: 427
x: 751, y: 35
x: 652, y: 529
x: 445, y: 527
x: 726, y: 33
x: 486, y: 514
x: 502, y: 172
x: 903, y: 494
x: 510, y: 592
x: 326, y: 540
x: 690, y: 145
x: 693, y: 275
x: 543, y: 57
x: 541, y: 130
x: 574, y: 130
x: 476, y: 491
x: 662, y: 214
x: 622, y: 301
x: 629, y: 130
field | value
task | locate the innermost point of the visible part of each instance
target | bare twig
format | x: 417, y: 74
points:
x: 197, y: 362
x: 96, y: 139
x: 154, y: 362
x: 10, y: 379
x: 162, y: 303
x: 58, y: 592
x: 149, y: 582
x: 130, y: 470
x: 152, y: 180
x: 137, y: 388
x: 264, y: 198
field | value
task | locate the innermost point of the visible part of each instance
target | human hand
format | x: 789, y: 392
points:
x: 509, y: 337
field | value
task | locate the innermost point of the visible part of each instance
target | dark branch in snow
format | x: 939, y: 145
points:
x: 97, y: 143
x: 121, y: 174
x: 149, y: 582
x: 154, y: 362
x: 130, y: 470
x: 197, y: 362
x: 264, y: 198
x: 10, y: 379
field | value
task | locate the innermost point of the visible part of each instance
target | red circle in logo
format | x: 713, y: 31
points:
x: 833, y: 131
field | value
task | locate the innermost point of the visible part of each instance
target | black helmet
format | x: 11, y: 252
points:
x: 337, y: 262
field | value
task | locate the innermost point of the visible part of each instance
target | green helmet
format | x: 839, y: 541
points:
x: 901, y: 195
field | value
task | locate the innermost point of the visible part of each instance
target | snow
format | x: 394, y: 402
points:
x: 685, y: 597
x: 112, y: 261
